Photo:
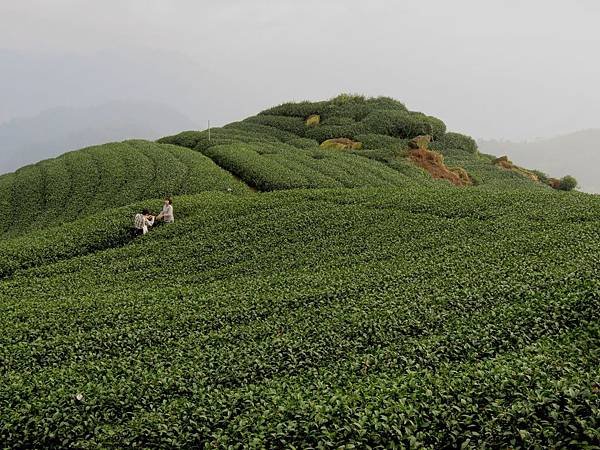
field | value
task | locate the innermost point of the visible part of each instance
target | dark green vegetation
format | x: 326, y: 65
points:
x: 98, y: 178
x: 431, y: 316
x: 567, y: 183
x: 404, y: 312
x: 277, y: 149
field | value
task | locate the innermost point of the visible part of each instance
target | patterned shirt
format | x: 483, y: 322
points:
x: 140, y: 222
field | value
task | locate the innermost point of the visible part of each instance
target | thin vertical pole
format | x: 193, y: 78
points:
x: 209, y: 131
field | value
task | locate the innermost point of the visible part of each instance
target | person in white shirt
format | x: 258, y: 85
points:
x: 166, y: 214
x: 142, y: 221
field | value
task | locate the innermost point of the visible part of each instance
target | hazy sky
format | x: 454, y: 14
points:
x: 493, y: 69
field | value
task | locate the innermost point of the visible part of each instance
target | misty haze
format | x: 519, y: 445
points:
x: 274, y: 224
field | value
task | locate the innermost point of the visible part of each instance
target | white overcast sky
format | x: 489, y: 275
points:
x: 490, y: 68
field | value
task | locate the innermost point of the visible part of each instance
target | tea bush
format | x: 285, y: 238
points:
x: 567, y: 183
x: 380, y: 123
x: 325, y: 132
x: 428, y: 317
x: 335, y: 120
x: 90, y: 180
x: 404, y: 124
x: 294, y: 125
x: 303, y: 143
x: 403, y: 313
x: 187, y: 139
x: 381, y: 141
x: 262, y: 131
x: 386, y: 103
x: 458, y: 141
x: 299, y: 109
x: 279, y: 166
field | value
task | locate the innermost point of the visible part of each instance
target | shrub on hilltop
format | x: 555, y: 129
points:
x: 295, y: 109
x: 404, y: 124
x: 326, y: 132
x: 373, y: 141
x: 385, y: 103
x: 187, y: 139
x: 457, y: 141
x: 294, y: 125
x: 567, y: 183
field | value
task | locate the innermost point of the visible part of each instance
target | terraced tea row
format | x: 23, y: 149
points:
x: 98, y: 178
x: 294, y: 146
x: 427, y: 316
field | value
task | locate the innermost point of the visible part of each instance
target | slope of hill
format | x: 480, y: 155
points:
x: 577, y: 153
x: 284, y: 147
x: 431, y: 316
x: 50, y: 133
x: 352, y: 142
x: 377, y: 306
x: 94, y: 179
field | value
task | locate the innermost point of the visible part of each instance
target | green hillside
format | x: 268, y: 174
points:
x: 103, y: 177
x: 283, y: 148
x: 347, y: 300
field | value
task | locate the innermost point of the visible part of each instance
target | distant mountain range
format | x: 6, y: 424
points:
x: 58, y: 130
x: 576, y: 154
x: 33, y: 82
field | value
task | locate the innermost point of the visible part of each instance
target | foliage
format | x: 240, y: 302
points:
x: 338, y: 121
x: 341, y: 144
x: 404, y: 124
x: 402, y: 313
x: 272, y: 167
x: 187, y: 139
x: 386, y: 103
x: 356, y: 107
x: 567, y: 183
x: 294, y: 125
x: 303, y: 143
x: 455, y: 141
x: 88, y: 181
x: 381, y: 141
x: 325, y: 132
x: 248, y: 131
x: 543, y: 177
x: 417, y: 317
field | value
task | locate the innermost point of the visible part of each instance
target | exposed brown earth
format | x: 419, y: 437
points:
x: 433, y: 162
x: 507, y: 164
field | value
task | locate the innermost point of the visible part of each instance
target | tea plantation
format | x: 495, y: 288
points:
x: 100, y: 178
x: 374, y: 307
x: 284, y: 148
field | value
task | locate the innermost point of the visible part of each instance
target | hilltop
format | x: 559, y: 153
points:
x: 346, y: 142
x: 317, y: 144
x: 340, y: 273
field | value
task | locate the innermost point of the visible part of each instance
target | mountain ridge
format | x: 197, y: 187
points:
x: 66, y: 128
